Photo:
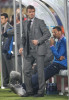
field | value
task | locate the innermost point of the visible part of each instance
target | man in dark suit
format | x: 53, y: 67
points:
x: 7, y: 67
x: 35, y: 33
x: 18, y: 37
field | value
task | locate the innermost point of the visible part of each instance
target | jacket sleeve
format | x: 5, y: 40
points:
x: 9, y: 32
x: 45, y: 32
x: 60, y: 52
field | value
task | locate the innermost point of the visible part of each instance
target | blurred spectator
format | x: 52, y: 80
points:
x: 6, y: 40
x: 11, y: 20
x: 19, y: 69
x: 23, y: 15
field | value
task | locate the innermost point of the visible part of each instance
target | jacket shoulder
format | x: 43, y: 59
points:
x: 9, y: 26
x: 38, y: 19
x: 63, y: 41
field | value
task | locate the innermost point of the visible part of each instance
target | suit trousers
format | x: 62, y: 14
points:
x: 53, y: 69
x: 7, y: 67
x: 28, y: 62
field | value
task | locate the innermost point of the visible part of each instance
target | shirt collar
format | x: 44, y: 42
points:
x: 31, y: 19
x: 5, y: 24
x: 61, y: 37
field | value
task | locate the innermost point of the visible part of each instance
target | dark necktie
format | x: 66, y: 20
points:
x: 28, y: 30
x: 2, y: 30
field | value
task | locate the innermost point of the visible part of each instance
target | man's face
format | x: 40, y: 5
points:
x: 31, y: 13
x: 3, y: 20
x: 56, y: 33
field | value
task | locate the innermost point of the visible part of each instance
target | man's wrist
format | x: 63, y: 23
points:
x: 38, y: 43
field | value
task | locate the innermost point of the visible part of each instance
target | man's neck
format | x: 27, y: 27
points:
x: 18, y: 22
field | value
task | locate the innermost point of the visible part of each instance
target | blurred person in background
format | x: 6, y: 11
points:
x: 11, y: 20
x: 19, y: 69
x: 7, y: 67
x: 18, y: 37
x: 23, y: 15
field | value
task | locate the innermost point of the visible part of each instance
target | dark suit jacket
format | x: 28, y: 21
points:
x: 11, y: 33
x: 41, y: 34
x: 3, y: 38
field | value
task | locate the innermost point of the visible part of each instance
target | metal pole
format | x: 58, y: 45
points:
x: 67, y: 35
x: 1, y: 53
x: 21, y: 36
x: 15, y: 35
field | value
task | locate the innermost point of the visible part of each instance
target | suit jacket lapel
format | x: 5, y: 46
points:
x: 25, y: 24
x: 7, y: 26
x: 33, y: 26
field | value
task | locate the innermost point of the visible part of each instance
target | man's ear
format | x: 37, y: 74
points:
x: 60, y: 32
x: 6, y: 19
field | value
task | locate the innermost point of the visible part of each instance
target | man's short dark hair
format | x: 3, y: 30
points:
x: 30, y: 7
x: 58, y: 28
x: 5, y: 15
